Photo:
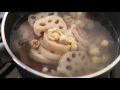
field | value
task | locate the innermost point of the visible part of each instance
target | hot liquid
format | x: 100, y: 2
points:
x: 96, y: 46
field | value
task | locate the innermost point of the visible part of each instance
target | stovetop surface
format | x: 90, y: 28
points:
x: 8, y: 70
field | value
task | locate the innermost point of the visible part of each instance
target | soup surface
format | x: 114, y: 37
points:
x: 67, y: 44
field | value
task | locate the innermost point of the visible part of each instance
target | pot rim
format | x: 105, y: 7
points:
x: 109, y: 67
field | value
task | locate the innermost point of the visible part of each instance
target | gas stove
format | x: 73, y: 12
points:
x: 8, y: 69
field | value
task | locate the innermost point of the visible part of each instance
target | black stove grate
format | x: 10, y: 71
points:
x: 5, y: 68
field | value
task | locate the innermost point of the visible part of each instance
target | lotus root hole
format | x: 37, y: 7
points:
x: 42, y: 24
x: 39, y: 53
x: 42, y: 33
x: 33, y: 17
x: 52, y: 52
x: 69, y: 67
x: 57, y: 21
x: 49, y: 20
x: 50, y: 14
x: 73, y: 55
x: 60, y: 27
x: 68, y: 59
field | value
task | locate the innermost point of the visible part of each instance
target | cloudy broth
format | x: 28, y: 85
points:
x: 66, y: 44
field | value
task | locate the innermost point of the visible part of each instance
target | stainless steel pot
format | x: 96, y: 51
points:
x: 11, y: 17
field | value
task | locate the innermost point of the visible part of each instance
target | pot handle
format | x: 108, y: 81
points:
x: 4, y: 56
